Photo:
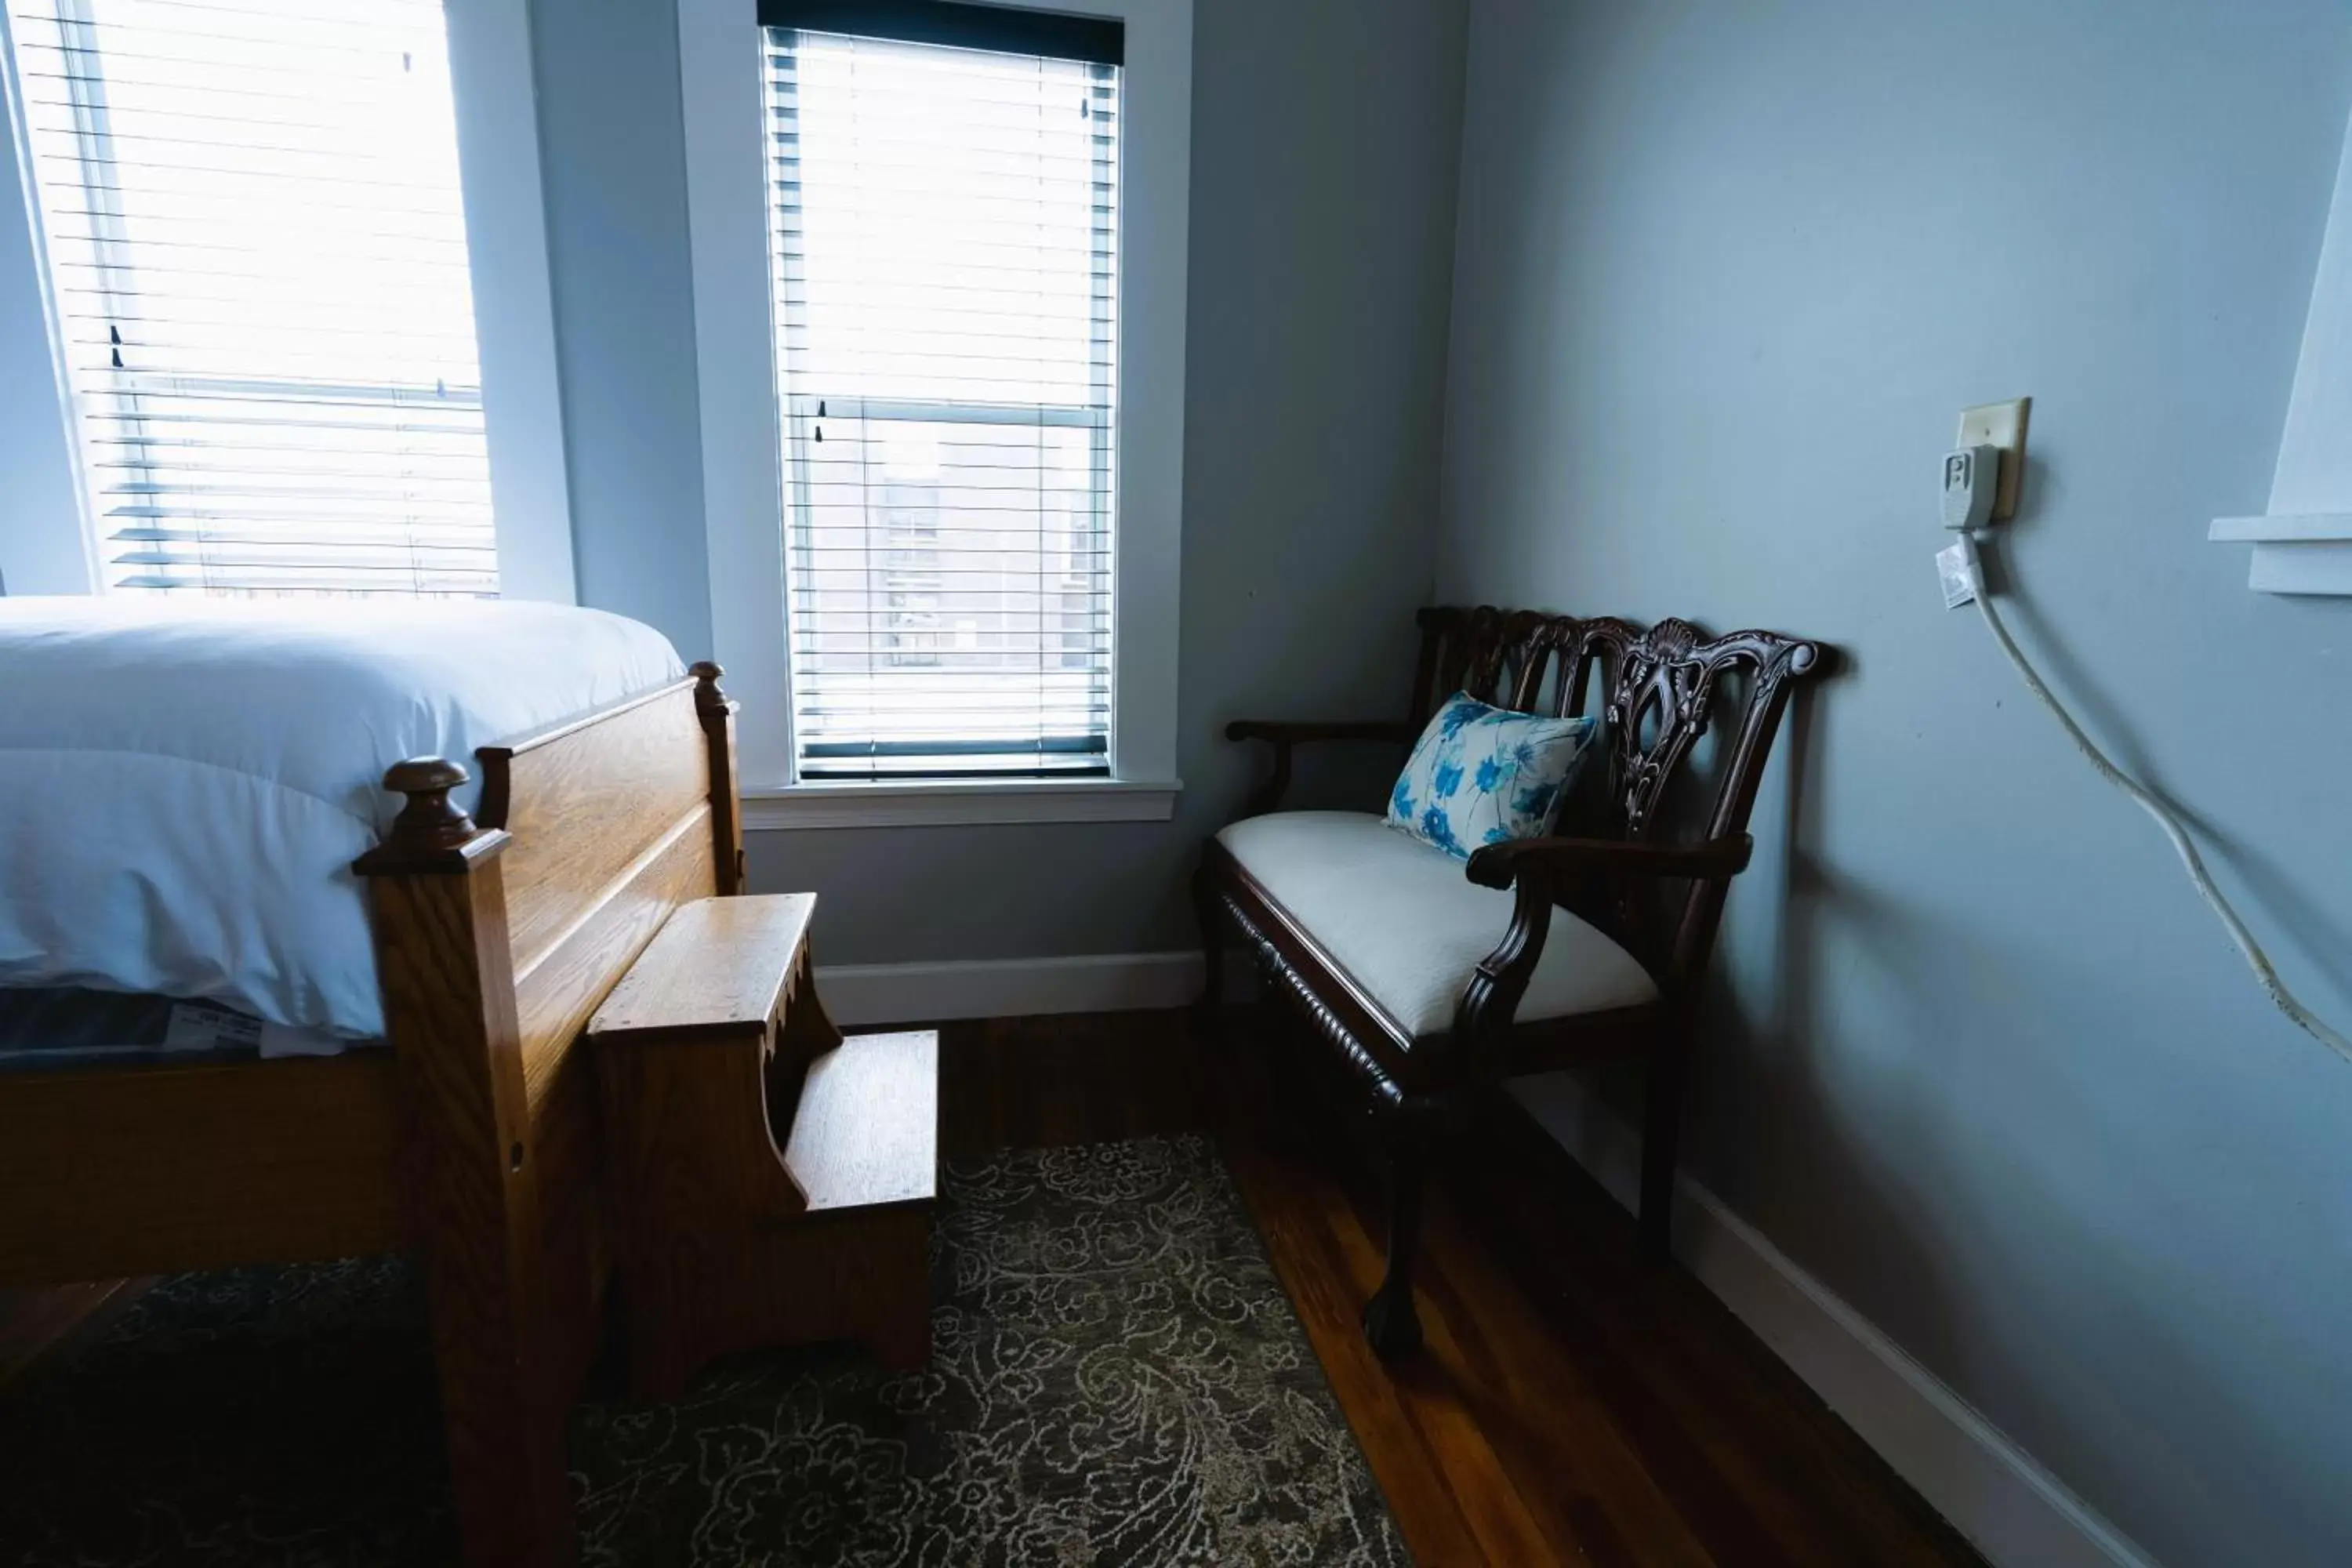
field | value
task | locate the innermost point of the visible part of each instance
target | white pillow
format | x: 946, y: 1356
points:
x: 1481, y: 775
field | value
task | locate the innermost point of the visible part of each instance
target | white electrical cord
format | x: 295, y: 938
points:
x: 2256, y: 959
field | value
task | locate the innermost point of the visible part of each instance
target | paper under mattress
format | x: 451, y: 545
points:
x: 54, y: 1028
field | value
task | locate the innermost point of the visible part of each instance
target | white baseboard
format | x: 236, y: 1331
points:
x: 1994, y: 1492
x: 864, y: 994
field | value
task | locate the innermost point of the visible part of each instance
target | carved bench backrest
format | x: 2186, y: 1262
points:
x: 1660, y: 691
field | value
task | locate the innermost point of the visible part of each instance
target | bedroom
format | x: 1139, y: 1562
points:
x: 1599, y: 308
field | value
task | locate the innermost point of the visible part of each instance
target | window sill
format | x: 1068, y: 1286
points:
x: 932, y: 803
x: 2309, y: 553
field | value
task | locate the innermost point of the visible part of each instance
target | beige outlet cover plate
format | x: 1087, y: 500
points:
x: 2000, y: 424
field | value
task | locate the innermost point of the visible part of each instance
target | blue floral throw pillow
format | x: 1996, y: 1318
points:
x: 1483, y: 776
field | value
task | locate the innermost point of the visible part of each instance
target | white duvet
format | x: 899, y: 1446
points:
x: 184, y: 785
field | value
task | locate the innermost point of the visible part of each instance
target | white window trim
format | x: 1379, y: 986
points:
x: 742, y: 482
x: 514, y: 303
x: 47, y: 545
x: 2302, y: 540
x: 957, y: 803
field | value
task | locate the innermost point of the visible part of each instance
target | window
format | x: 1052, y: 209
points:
x: 259, y: 274
x: 944, y: 256
x: 949, y: 239
x: 2303, y: 539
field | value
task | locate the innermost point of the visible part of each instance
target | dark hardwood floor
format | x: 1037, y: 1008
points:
x: 1079, y: 1077
x: 1574, y: 1402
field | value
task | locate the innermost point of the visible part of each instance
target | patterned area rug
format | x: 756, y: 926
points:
x: 1117, y: 1379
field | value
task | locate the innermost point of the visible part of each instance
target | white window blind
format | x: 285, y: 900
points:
x: 257, y: 255
x: 944, y: 225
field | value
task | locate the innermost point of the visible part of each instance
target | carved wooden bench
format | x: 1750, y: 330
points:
x: 771, y: 1182
x: 1435, y: 979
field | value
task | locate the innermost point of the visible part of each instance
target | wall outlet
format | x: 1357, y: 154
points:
x: 2000, y: 424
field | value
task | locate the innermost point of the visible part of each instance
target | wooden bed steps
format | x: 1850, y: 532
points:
x: 771, y: 1182
x: 866, y: 1132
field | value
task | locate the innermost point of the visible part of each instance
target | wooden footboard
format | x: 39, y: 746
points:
x: 108, y: 1171
x: 496, y: 941
x: 474, y: 1139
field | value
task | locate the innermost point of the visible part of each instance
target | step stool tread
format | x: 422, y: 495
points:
x: 718, y: 967
x: 866, y: 1129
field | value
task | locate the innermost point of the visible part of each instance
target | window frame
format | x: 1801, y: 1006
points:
x: 47, y: 540
x: 743, y: 480
x: 2303, y: 539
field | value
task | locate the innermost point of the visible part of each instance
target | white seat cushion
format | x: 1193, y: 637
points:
x: 1409, y: 928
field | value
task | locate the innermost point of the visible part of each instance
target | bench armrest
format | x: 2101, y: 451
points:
x: 1539, y: 869
x: 1499, y: 865
x: 1282, y: 736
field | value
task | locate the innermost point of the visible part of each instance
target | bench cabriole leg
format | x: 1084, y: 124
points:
x: 1391, y: 1321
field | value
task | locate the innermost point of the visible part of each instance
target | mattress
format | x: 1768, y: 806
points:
x: 188, y: 781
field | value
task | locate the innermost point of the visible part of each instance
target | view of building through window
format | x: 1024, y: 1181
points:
x: 944, y: 229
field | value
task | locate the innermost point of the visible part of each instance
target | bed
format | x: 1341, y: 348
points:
x: 249, y: 805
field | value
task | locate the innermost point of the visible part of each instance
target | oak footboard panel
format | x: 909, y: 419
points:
x: 474, y: 1139
x: 108, y: 1171
x: 496, y: 941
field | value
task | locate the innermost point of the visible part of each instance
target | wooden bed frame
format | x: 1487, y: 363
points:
x: 473, y: 1142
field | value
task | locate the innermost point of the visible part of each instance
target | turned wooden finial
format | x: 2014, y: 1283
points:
x: 428, y: 821
x: 708, y: 698
x: 428, y: 827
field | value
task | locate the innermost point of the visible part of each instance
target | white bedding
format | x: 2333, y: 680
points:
x: 186, y: 783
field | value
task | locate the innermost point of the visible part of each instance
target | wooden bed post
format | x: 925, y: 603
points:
x: 717, y: 713
x: 447, y: 969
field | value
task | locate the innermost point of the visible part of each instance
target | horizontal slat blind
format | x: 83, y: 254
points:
x: 258, y: 253
x: 944, y: 229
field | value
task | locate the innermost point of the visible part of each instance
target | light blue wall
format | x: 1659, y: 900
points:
x: 1982, y: 1062
x: 613, y: 159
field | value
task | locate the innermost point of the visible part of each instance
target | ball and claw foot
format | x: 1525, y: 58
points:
x: 1391, y: 1324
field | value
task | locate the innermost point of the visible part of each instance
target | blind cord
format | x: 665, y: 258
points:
x: 2256, y: 959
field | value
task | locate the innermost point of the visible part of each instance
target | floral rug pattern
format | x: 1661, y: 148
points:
x: 1115, y: 1379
